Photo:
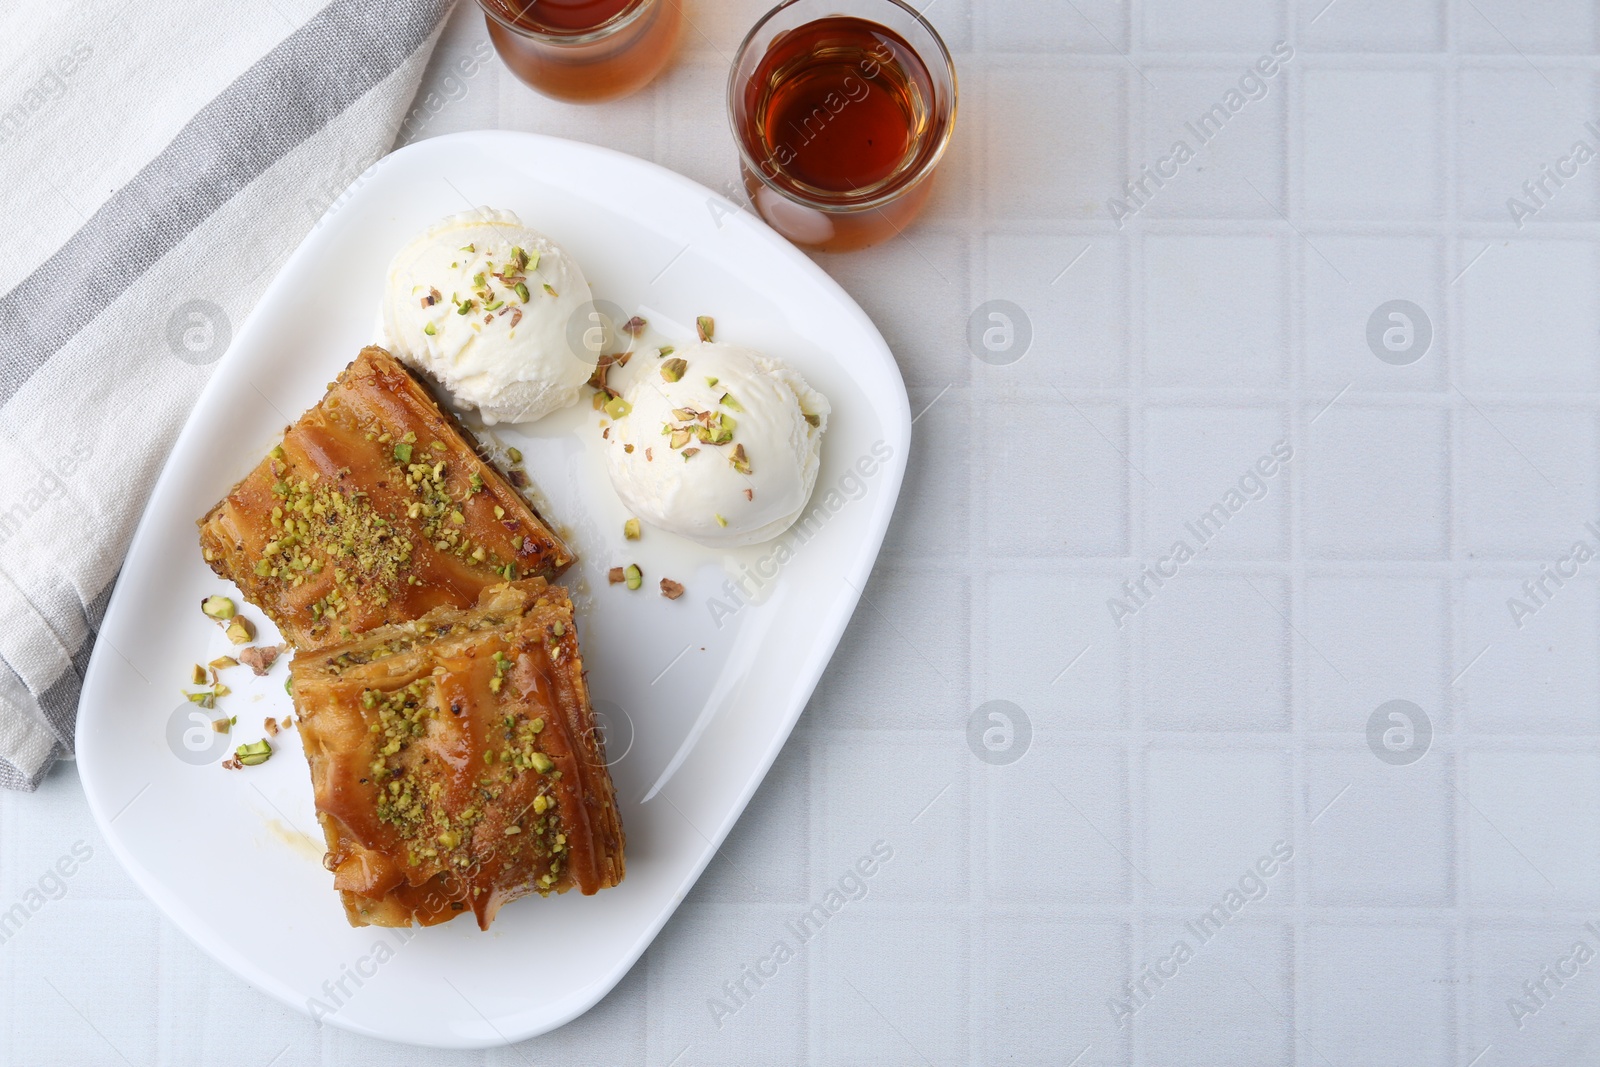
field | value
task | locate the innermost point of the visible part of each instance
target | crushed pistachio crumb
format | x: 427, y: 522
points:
x: 254, y: 753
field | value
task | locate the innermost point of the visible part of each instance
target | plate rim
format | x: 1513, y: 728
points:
x: 898, y: 426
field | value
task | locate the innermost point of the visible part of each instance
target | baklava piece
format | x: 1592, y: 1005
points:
x: 455, y: 762
x: 375, y: 509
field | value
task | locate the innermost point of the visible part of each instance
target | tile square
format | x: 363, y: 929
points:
x: 1199, y: 675
x: 1506, y: 143
x: 1047, y: 641
x: 1099, y: 26
x: 1367, y: 821
x: 1215, y: 310
x: 100, y: 997
x: 909, y: 792
x: 1073, y: 451
x: 1507, y: 27
x: 51, y: 832
x: 1074, y: 290
x: 1057, y: 829
x: 1529, y: 313
x: 692, y: 140
x: 763, y: 860
x: 1173, y: 25
x: 893, y: 283
x: 1411, y: 1025
x: 1557, y: 1006
x: 228, y: 1020
x: 1210, y: 816
x: 954, y: 23
x: 1369, y: 640
x: 630, y: 124
x: 1372, y: 26
x: 1539, y: 677
x: 702, y: 949
x: 910, y: 672
x: 1377, y: 483
x: 1348, y: 281
x: 1206, y: 458
x: 891, y: 991
x: 1219, y: 993
x: 1527, y: 477
x: 1371, y: 148
x: 1044, y: 989
x: 1232, y: 119
x: 931, y: 518
x: 1532, y: 828
x: 1067, y: 167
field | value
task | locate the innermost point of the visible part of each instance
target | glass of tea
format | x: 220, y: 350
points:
x: 584, y: 50
x: 841, y: 111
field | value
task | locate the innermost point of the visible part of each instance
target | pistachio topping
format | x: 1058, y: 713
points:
x: 514, y: 455
x: 631, y: 529
x: 254, y: 753
x: 240, y: 631
x: 670, y: 589
x: 218, y: 607
x: 738, y: 460
x: 615, y: 575
x: 634, y: 576
x: 705, y: 326
x: 674, y: 369
x: 197, y: 675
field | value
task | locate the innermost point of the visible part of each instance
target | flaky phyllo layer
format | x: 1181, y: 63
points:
x: 455, y: 761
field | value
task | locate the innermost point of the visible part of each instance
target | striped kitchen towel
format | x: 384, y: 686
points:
x: 159, y: 160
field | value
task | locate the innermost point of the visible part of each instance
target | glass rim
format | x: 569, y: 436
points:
x: 901, y: 185
x: 616, y: 22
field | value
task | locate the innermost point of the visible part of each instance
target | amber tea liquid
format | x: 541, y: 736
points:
x: 839, y: 112
x: 584, y: 50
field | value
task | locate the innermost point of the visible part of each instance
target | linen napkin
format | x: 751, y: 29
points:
x: 159, y: 160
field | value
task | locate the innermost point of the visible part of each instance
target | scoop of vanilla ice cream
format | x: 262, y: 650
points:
x: 719, y: 444
x: 486, y: 306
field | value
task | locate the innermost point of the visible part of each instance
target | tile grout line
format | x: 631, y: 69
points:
x: 1300, y: 430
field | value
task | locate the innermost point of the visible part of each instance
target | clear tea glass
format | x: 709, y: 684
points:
x: 584, y: 51
x: 841, y: 112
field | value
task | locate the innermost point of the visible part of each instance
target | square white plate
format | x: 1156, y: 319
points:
x: 698, y: 698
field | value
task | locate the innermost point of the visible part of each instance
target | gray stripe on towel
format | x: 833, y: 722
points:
x: 293, y: 91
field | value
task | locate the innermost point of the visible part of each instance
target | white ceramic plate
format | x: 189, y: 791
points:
x: 698, y: 698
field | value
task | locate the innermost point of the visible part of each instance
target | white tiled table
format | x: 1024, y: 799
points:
x: 1229, y: 713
